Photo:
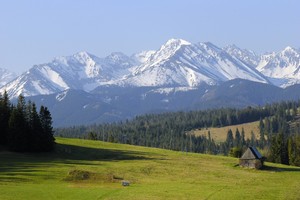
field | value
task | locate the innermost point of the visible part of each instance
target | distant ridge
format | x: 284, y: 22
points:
x: 84, y: 89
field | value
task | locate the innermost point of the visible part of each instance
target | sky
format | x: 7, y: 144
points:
x: 34, y: 31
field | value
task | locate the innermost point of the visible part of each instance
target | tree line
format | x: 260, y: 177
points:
x: 282, y: 131
x: 172, y: 131
x: 279, y: 136
x: 22, y: 128
x: 168, y: 130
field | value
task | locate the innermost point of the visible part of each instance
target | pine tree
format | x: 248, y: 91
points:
x: 35, y: 128
x: 243, y: 142
x: 261, y: 133
x: 294, y: 150
x: 229, y: 140
x: 275, y: 149
x: 18, y: 139
x: 267, y: 129
x: 209, y: 143
x: 279, y: 149
x: 252, y: 139
x: 22, y: 129
x: 284, y: 156
x: 47, y: 138
x: 237, y: 139
x: 5, y: 110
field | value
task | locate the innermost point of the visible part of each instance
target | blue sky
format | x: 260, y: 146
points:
x: 35, y: 31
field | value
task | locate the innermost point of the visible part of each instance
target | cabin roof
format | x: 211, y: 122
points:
x: 251, y: 153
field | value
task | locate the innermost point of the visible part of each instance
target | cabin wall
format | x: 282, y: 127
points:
x: 254, y: 163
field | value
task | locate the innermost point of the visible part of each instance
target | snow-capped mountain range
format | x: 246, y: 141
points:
x: 83, y: 88
x: 282, y: 67
x: 182, y: 64
x: 177, y: 63
x: 82, y: 71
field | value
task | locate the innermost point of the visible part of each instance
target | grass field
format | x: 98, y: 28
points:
x: 220, y: 134
x: 83, y: 169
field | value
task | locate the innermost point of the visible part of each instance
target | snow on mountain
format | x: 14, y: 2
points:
x: 244, y: 55
x: 283, y: 67
x: 230, y: 67
x: 176, y: 64
x: 6, y: 76
x: 143, y: 56
x: 167, y: 50
x: 82, y: 71
x: 180, y: 63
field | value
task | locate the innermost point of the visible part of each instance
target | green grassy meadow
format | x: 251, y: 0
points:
x: 84, y: 169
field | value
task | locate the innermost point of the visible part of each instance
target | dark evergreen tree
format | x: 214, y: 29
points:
x: 267, y: 127
x: 236, y: 152
x: 237, y: 138
x: 229, y: 140
x: 294, y: 150
x: 284, y: 156
x: 47, y: 138
x: 243, y: 141
x: 29, y: 131
x: 252, y: 139
x: 261, y: 133
x: 18, y: 137
x: 275, y: 149
x: 35, y: 128
x: 92, y: 136
x: 279, y: 149
x: 5, y: 111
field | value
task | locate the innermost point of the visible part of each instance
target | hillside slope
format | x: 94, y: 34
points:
x: 220, y: 134
x: 82, y: 169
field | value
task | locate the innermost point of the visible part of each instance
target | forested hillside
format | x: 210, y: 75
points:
x: 171, y: 131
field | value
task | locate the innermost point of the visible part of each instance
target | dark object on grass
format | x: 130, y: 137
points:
x: 125, y: 183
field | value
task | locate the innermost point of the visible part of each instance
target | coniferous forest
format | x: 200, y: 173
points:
x: 279, y: 131
x: 22, y: 128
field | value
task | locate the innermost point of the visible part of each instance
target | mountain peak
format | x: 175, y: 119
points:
x: 120, y: 59
x: 283, y: 67
x: 247, y: 56
x: 176, y: 63
x: 177, y: 42
x: 167, y: 50
x: 290, y: 50
x: 83, y: 55
x: 117, y: 56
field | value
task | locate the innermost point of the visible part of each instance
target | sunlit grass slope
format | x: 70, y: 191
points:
x: 220, y: 134
x: 83, y: 169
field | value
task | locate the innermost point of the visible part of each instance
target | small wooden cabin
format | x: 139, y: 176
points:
x: 252, y: 158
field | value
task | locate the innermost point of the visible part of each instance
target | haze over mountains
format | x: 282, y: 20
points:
x: 179, y: 75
